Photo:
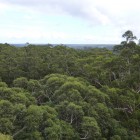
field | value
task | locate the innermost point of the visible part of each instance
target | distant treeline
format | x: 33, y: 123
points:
x: 76, y: 46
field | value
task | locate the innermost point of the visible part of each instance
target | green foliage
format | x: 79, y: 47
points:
x: 90, y: 128
x: 3, y: 84
x: 21, y: 82
x: 5, y: 137
x: 60, y: 93
x: 33, y: 117
x: 116, y: 137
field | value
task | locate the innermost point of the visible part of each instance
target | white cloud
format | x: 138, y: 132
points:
x: 104, y: 12
x: 3, y: 8
x: 34, y: 34
x: 121, y: 15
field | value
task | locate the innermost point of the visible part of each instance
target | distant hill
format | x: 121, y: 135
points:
x: 80, y: 46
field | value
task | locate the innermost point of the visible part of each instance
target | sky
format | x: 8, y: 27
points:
x: 68, y: 21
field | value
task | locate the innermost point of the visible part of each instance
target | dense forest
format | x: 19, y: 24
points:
x: 62, y: 93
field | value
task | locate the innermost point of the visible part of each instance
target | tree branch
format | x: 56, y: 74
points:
x: 15, y: 134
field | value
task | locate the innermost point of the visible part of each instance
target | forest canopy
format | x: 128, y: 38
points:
x: 62, y: 93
